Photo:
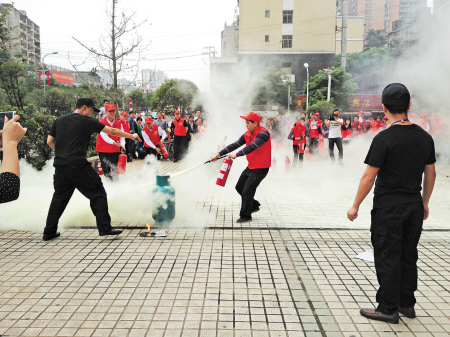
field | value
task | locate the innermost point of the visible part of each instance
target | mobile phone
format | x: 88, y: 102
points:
x: 9, y: 114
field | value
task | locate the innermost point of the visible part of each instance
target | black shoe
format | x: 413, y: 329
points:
x: 407, y: 312
x: 241, y: 220
x: 129, y: 160
x: 47, y: 237
x: 256, y: 210
x: 379, y: 316
x: 175, y: 160
x: 111, y: 232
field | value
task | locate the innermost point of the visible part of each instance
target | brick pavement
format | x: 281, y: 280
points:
x: 290, y: 272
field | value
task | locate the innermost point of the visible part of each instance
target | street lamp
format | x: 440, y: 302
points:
x: 307, y: 85
x: 43, y: 71
x: 329, y: 72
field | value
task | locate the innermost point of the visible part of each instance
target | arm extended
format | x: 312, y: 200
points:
x: 365, y: 185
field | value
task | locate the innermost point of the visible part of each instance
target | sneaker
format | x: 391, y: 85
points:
x: 379, y: 316
x: 242, y: 220
x: 407, y: 312
x: 47, y: 237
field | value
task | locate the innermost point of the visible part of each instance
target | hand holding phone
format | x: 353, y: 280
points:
x: 12, y: 131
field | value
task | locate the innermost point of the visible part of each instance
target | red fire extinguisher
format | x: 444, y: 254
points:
x: 121, y: 166
x: 224, y: 171
x: 99, y: 168
x: 287, y: 164
x: 163, y: 150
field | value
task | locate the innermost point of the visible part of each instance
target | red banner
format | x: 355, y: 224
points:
x: 365, y: 102
x: 63, y: 78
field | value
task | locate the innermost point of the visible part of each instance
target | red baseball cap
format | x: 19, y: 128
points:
x: 148, y: 120
x: 317, y: 113
x: 177, y: 112
x: 254, y: 117
x: 109, y: 107
x: 124, y: 113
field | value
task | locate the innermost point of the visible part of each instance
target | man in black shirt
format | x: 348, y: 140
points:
x: 398, y: 157
x: 69, y: 137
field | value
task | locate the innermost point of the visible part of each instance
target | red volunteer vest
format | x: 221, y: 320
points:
x: 357, y: 127
x: 179, y: 127
x: 374, y: 125
x: 103, y: 146
x: 299, y: 131
x: 314, y: 129
x: 262, y: 156
x: 126, y: 125
x: 153, y: 134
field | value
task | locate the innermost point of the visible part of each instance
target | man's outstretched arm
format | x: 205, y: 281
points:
x: 365, y: 185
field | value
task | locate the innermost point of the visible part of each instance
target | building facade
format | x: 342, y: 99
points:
x: 355, y: 34
x: 152, y: 79
x: 25, y: 35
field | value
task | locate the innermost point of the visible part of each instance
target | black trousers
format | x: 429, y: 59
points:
x: 130, y: 148
x: 149, y: 150
x: 313, y: 144
x: 338, y: 142
x: 179, y: 147
x: 109, y: 163
x: 246, y: 187
x: 298, y: 157
x: 396, y: 232
x: 83, y: 178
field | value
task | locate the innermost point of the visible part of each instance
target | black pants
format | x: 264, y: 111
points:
x: 246, y: 187
x: 313, y: 144
x: 395, y: 235
x: 297, y: 156
x: 338, y: 142
x: 83, y: 178
x: 109, y: 163
x: 149, y: 150
x: 179, y: 147
x: 130, y: 147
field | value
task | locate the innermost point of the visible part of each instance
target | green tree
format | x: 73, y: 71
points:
x: 342, y: 87
x: 10, y: 72
x: 375, y: 39
x: 173, y: 94
x: 140, y: 102
x: 325, y: 108
x: 58, y: 103
x: 273, y: 89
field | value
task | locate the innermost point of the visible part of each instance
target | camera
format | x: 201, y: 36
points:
x: 333, y: 116
x: 9, y: 114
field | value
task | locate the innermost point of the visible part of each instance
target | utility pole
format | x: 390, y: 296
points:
x: 329, y: 72
x: 344, y: 34
x: 209, y: 55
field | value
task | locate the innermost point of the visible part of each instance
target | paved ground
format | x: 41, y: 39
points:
x: 290, y: 272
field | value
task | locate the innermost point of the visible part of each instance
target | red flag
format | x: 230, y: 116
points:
x: 39, y: 74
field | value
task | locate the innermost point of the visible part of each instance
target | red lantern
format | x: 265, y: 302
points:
x: 39, y: 74
x: 107, y: 85
x: 48, y: 77
x: 131, y: 103
x: 147, y: 91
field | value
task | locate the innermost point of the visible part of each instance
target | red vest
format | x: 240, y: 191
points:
x: 262, y: 156
x: 153, y: 134
x: 179, y: 128
x: 103, y: 146
x: 126, y: 125
x: 374, y: 125
x: 314, y: 129
x: 299, y: 131
x: 357, y: 127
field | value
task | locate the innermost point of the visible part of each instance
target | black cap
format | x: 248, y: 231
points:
x: 395, y: 94
x: 88, y: 101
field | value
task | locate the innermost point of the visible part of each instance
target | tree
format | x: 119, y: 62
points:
x: 10, y: 72
x: 375, y: 39
x: 58, y: 103
x: 173, y: 94
x: 140, y: 101
x: 342, y: 87
x: 325, y: 108
x: 273, y: 89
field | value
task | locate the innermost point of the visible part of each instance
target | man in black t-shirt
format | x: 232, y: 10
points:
x: 398, y: 157
x: 69, y: 137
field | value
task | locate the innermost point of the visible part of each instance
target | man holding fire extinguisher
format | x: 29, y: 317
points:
x: 180, y: 131
x: 69, y: 137
x: 259, y: 156
x: 108, y: 147
x: 151, y: 133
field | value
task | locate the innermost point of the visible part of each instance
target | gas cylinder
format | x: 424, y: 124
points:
x: 307, y: 153
x: 121, y: 166
x: 287, y: 164
x: 163, y: 209
x: 99, y: 168
x: 224, y: 171
x: 163, y: 150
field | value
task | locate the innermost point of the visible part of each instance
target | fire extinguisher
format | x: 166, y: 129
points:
x: 224, y: 171
x: 122, y: 164
x: 287, y: 164
x: 99, y: 168
x: 163, y: 150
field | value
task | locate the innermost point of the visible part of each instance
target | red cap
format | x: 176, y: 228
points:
x: 148, y: 120
x: 317, y: 113
x: 254, y: 117
x: 361, y: 112
x: 177, y: 112
x: 109, y: 107
x: 423, y: 116
x: 124, y: 113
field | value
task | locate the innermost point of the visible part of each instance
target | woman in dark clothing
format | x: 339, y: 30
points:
x: 10, y: 171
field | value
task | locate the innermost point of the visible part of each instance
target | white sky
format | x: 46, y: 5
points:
x: 176, y: 28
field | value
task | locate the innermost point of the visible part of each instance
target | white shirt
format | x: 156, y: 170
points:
x: 335, y: 129
x: 102, y: 113
x: 147, y: 140
x: 106, y: 138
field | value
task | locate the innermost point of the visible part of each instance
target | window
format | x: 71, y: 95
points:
x: 287, y: 16
x: 267, y: 38
x: 267, y: 14
x: 286, y: 41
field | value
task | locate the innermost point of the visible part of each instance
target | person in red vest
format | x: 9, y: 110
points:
x: 180, y: 129
x: 374, y: 125
x: 357, y: 126
x: 151, y: 134
x: 297, y: 134
x: 258, y: 150
x: 424, y: 122
x: 315, y: 125
x: 126, y: 128
x: 108, y: 147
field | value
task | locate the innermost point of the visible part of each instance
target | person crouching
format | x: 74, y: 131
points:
x: 108, y: 147
x: 151, y: 134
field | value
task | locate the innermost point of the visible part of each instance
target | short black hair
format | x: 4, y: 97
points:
x: 190, y: 116
x: 138, y: 119
x: 336, y: 110
x: 302, y: 118
x: 104, y: 101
